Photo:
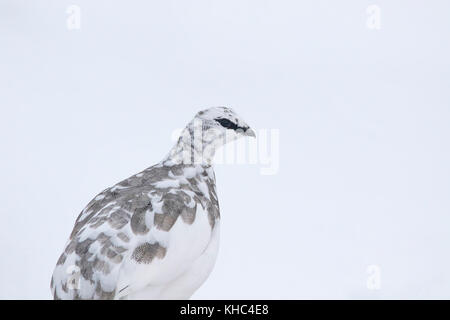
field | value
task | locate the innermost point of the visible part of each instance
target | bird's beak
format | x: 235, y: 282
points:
x: 249, y: 132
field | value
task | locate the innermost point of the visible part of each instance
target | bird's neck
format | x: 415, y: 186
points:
x: 192, y: 148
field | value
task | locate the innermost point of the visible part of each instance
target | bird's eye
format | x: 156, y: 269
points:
x: 227, y: 123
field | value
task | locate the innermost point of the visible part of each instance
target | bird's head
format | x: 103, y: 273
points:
x: 210, y: 128
x: 223, y: 122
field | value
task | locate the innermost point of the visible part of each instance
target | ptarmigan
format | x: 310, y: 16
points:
x: 154, y: 235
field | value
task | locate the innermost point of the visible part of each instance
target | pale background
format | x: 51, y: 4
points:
x: 363, y: 116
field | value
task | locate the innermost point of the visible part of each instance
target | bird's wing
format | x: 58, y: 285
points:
x: 133, y: 235
x: 171, y: 248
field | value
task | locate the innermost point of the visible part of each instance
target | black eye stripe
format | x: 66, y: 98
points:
x: 227, y: 124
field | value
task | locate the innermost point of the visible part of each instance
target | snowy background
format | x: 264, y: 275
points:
x: 363, y: 116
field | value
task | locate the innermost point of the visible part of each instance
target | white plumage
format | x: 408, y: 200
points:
x: 154, y: 235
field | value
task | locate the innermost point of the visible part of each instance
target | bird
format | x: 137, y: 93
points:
x: 154, y: 235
